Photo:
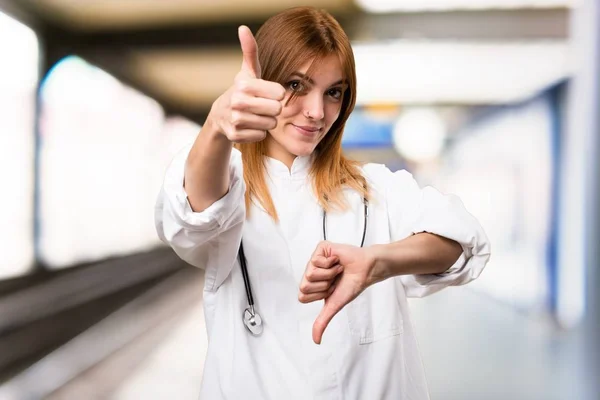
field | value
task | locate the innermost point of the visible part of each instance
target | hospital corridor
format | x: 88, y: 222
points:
x: 495, y: 101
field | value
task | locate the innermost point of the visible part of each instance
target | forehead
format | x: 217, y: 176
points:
x: 325, y: 71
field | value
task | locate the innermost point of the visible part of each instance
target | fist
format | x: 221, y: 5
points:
x: 336, y: 273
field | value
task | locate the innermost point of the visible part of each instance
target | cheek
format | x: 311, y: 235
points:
x: 289, y: 110
x: 333, y: 112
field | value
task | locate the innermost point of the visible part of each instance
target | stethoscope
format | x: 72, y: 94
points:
x: 251, y: 318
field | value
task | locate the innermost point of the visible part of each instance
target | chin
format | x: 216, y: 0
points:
x: 300, y: 149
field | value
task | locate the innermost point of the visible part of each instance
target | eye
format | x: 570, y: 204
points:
x: 335, y: 93
x: 295, y: 86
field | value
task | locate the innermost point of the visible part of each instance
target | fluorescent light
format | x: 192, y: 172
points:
x: 386, y: 6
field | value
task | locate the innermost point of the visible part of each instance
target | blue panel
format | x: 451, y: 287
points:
x: 363, y: 131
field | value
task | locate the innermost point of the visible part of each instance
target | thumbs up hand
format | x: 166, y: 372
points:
x: 251, y: 105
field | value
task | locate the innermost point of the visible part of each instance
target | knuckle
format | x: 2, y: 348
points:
x: 243, y: 85
x: 230, y: 132
x: 236, y: 119
x: 304, y: 287
x: 272, y: 124
x: 234, y: 137
x: 237, y: 101
x: 260, y: 135
x: 256, y: 135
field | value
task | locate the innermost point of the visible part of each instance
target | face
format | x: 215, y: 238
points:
x: 306, y: 119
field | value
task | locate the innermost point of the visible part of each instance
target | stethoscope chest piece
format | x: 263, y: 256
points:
x: 253, y: 321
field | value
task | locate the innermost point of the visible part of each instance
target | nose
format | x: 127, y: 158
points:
x: 314, y: 106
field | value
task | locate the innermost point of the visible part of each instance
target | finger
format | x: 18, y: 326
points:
x: 314, y: 287
x: 324, y: 262
x: 330, y: 309
x: 256, y: 105
x: 308, y: 287
x: 322, y: 249
x: 262, y: 88
x: 247, y: 136
x: 250, y: 63
x: 245, y: 120
x: 322, y: 274
x: 309, y: 298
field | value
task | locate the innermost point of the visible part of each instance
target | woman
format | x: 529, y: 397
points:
x: 330, y: 318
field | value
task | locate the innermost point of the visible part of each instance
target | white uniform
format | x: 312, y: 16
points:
x: 369, y: 350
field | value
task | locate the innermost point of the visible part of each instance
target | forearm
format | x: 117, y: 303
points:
x: 423, y: 253
x: 207, y: 168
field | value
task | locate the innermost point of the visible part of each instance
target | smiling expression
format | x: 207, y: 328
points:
x: 307, y: 118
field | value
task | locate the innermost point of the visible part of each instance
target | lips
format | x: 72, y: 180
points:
x: 307, y: 129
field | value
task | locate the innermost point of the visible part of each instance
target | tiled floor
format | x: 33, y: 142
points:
x: 476, y: 348
x: 472, y: 347
x: 174, y: 369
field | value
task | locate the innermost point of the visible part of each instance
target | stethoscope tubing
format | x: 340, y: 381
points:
x: 246, y: 277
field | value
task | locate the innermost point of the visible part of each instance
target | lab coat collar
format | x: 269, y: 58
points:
x: 300, y: 167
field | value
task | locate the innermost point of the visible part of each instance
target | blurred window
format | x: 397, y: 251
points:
x: 99, y: 169
x: 502, y: 168
x: 18, y: 84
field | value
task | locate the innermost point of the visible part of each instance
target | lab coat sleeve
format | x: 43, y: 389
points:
x: 207, y: 239
x: 413, y: 210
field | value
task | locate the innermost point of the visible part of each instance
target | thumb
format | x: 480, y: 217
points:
x: 333, y: 304
x: 250, y: 63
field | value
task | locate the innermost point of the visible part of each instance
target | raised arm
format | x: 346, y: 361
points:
x: 242, y: 114
x: 200, y: 210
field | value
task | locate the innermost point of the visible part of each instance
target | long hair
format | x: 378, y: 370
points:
x: 285, y: 41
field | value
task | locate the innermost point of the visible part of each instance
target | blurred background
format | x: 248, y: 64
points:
x: 494, y: 100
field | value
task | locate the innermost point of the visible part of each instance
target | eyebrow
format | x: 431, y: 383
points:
x: 309, y: 80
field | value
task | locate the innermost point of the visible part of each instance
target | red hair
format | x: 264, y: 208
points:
x: 285, y: 41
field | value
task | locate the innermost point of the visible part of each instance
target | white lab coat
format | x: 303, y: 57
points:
x: 369, y: 350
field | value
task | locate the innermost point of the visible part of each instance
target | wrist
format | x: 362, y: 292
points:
x: 210, y: 145
x: 213, y: 129
x: 379, y: 270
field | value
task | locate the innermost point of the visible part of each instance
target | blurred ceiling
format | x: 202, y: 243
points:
x: 184, y: 53
x: 135, y: 14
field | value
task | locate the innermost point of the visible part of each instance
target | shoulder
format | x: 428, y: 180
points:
x: 398, y: 187
x: 375, y: 172
x: 380, y: 176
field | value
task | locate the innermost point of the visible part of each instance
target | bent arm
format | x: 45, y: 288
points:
x: 208, y: 239
x: 423, y: 253
x: 425, y: 228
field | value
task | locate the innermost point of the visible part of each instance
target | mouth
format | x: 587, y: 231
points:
x: 307, y: 130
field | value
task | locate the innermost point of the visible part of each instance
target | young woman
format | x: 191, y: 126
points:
x: 309, y: 257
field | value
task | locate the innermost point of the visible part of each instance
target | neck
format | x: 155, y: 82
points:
x: 274, y: 150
